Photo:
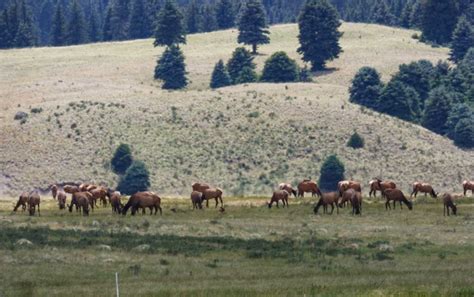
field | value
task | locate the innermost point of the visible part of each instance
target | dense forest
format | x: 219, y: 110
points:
x: 25, y: 23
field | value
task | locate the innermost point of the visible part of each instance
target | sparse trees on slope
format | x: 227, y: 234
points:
x: 280, y: 68
x: 220, y: 77
x: 171, y: 69
x: 332, y: 172
x: 366, y: 88
x: 463, y: 39
x: 318, y: 33
x: 253, y: 25
x: 169, y: 26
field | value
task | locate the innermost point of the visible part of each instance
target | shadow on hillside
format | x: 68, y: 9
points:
x: 324, y: 72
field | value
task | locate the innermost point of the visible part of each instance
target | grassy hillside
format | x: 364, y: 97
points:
x: 244, y: 139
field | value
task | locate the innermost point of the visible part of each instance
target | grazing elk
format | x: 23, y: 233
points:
x: 356, y: 202
x: 344, y: 185
x: 213, y: 193
x: 396, y: 195
x: 200, y: 187
x: 448, y: 202
x: 22, y: 201
x: 326, y: 199
x: 115, y: 199
x: 54, y: 191
x: 81, y: 200
x: 423, y: 188
x: 99, y: 193
x: 379, y: 185
x: 143, y: 200
x: 71, y: 189
x: 289, y: 188
x: 34, y: 201
x: 277, y: 196
x: 61, y: 200
x: 196, y: 199
x: 468, y: 185
x: 308, y: 186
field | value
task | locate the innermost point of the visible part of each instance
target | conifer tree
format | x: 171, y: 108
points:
x: 438, y: 20
x: 355, y: 141
x: 94, y: 27
x: 119, y: 19
x: 107, y: 27
x: 464, y: 133
x: 4, y: 34
x: 395, y: 100
x: 171, y: 69
x: 26, y: 33
x: 122, y: 159
x: 246, y: 75
x: 253, y: 25
x: 77, y: 29
x: 241, y: 58
x: 209, y: 22
x: 58, y: 31
x: 220, y: 77
x: 280, y: 68
x: 463, y: 40
x: 138, y: 22
x: 318, y: 33
x: 332, y: 172
x: 136, y: 179
x: 193, y: 21
x: 437, y: 110
x: 45, y: 21
x: 405, y: 18
x: 169, y: 26
x: 458, y: 112
x: 382, y: 14
x: 416, y: 17
x: 366, y: 88
x: 225, y: 15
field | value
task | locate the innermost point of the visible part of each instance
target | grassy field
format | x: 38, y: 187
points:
x: 244, y: 139
x: 249, y: 250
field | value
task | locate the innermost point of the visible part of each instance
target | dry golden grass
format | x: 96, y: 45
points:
x: 244, y: 139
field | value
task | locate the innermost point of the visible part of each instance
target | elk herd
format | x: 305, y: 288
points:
x: 84, y: 197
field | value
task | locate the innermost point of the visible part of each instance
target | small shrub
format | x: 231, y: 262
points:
x: 356, y: 141
x: 37, y: 110
x: 415, y: 36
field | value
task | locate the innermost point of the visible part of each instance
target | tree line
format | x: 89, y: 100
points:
x: 26, y: 23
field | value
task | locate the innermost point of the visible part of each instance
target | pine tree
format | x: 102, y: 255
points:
x: 94, y: 27
x: 382, y: 15
x: 437, y: 110
x: 416, y: 17
x: 26, y: 33
x: 253, y: 26
x: 77, y: 29
x: 356, y: 141
x: 405, y: 18
x: 241, y: 58
x: 138, y: 23
x: 45, y: 21
x: 172, y: 69
x: 136, y: 179
x: 122, y: 159
x: 220, y: 77
x: 319, y: 36
x: 438, y: 20
x: 58, y: 31
x: 225, y: 15
x: 280, y: 68
x: 332, y: 172
x: 246, y: 75
x: 209, y: 22
x: 4, y: 34
x: 395, y: 100
x: 464, y: 133
x: 107, y: 27
x: 457, y: 113
x: 13, y: 22
x: 193, y: 20
x: 463, y: 39
x: 366, y: 88
x: 169, y: 26
x: 119, y: 19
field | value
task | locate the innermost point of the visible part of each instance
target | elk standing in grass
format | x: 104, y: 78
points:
x: 71, y: 189
x: 143, y: 200
x: 34, y: 201
x: 115, y: 200
x: 22, y: 201
x: 468, y: 185
x: 54, y: 191
x: 423, y: 188
x: 448, y: 202
x: 196, y: 199
x: 308, y: 186
x: 396, y: 195
x: 331, y: 198
x: 200, y: 187
x: 277, y: 196
x: 289, y: 188
x: 61, y: 200
x: 213, y: 193
x: 81, y: 200
x: 379, y: 185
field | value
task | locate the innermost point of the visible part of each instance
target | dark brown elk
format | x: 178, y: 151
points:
x: 356, y: 202
x: 200, y: 187
x: 331, y: 198
x: 448, y: 202
x: 54, y: 191
x: 308, y: 186
x: 22, y: 201
x: 81, y: 200
x: 351, y: 196
x: 71, y: 189
x: 34, y: 201
x: 115, y: 199
x: 396, y: 195
x: 196, y: 199
x: 468, y: 185
x: 289, y: 188
x: 99, y: 193
x: 423, y: 188
x: 143, y: 200
x: 277, y: 196
x: 345, y: 185
x: 379, y: 185
x: 213, y: 193
x: 61, y: 200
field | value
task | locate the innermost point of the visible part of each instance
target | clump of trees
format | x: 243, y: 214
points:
x: 122, y: 159
x: 133, y: 175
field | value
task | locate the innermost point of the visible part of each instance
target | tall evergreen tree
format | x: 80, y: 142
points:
x: 405, y: 18
x: 209, y: 22
x: 45, y: 21
x: 439, y: 20
x: 253, y: 25
x: 437, y: 110
x: 225, y: 14
x: 169, y: 26
x: 193, y: 20
x: 416, y: 17
x: 119, y: 19
x: 58, y: 31
x: 332, y: 172
x: 122, y: 159
x: 4, y: 34
x: 457, y: 113
x: 464, y: 133
x: 138, y: 22
x: 94, y: 26
x: 26, y: 33
x: 280, y: 68
x: 395, y: 100
x: 136, y: 179
x: 171, y: 69
x: 77, y: 28
x: 107, y: 27
x: 382, y: 15
x: 366, y: 88
x: 220, y: 77
x: 463, y: 39
x: 241, y: 59
x: 319, y: 36
x: 13, y: 21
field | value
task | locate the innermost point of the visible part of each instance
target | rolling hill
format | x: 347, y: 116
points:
x: 244, y: 139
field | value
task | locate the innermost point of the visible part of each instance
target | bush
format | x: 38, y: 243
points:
x: 305, y: 74
x: 136, y: 179
x: 366, y: 87
x: 241, y: 59
x: 247, y: 75
x: 122, y: 159
x: 280, y: 68
x: 171, y: 69
x: 464, y: 133
x: 332, y: 172
x: 356, y: 141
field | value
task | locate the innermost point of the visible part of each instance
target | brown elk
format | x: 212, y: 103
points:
x: 354, y: 198
x: 448, y: 202
x: 468, y: 185
x: 99, y: 193
x: 277, y: 196
x: 396, y: 195
x: 34, y: 201
x: 81, y: 200
x: 423, y: 188
x: 71, y: 189
x: 379, y: 185
x: 22, y: 201
x: 61, y: 199
x: 143, y: 200
x: 54, y: 191
x: 308, y: 186
x: 344, y: 185
x: 213, y: 193
x: 326, y: 199
x: 196, y: 199
x: 289, y: 188
x: 115, y: 199
x: 200, y: 187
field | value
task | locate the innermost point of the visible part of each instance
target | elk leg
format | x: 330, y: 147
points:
x: 217, y: 202
x: 39, y: 214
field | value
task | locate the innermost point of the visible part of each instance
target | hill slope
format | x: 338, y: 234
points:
x: 244, y: 139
